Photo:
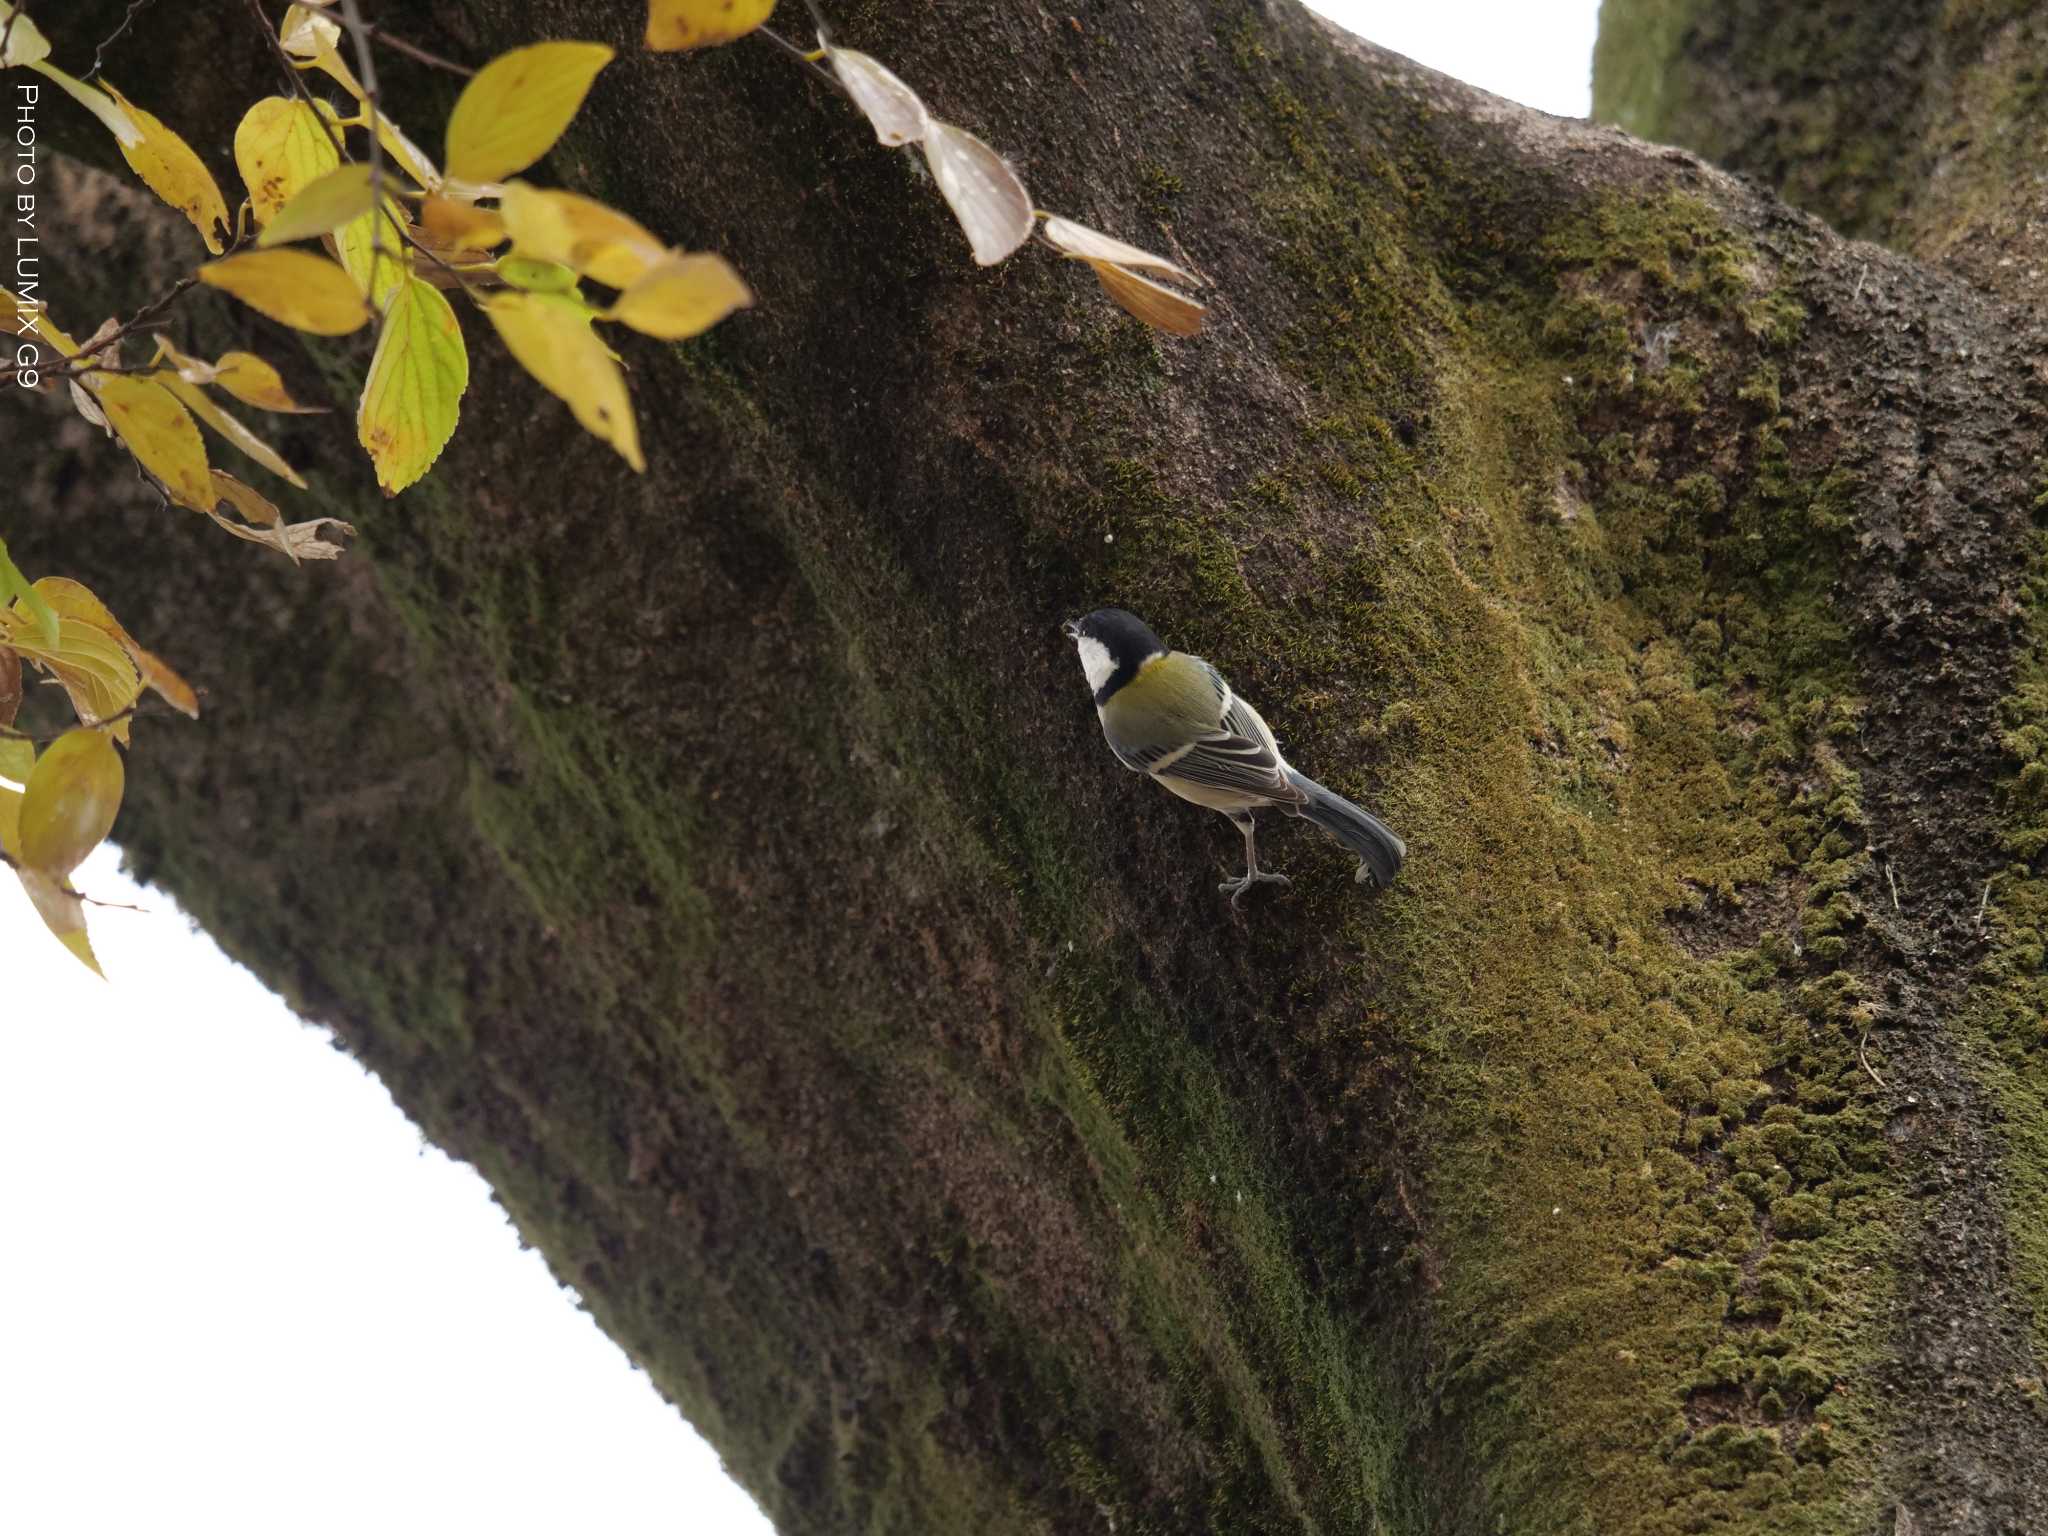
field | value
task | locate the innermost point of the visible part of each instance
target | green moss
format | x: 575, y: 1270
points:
x: 1159, y: 189
x: 1515, y: 593
x: 2007, y: 1010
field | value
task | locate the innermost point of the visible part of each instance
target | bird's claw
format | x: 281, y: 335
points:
x: 1236, y: 889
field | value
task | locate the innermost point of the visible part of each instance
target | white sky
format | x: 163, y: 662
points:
x: 237, y: 1294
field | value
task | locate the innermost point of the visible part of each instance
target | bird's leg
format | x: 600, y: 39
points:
x: 1252, y: 873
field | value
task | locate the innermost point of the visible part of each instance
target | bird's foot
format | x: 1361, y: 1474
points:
x: 1235, y: 889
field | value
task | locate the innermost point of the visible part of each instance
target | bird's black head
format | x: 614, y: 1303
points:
x: 1112, y: 644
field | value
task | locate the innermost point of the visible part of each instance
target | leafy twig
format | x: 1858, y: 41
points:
x: 291, y: 73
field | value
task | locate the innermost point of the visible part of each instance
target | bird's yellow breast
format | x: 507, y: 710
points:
x: 1169, y: 701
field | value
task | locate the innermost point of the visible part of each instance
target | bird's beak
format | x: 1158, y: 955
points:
x: 1071, y: 629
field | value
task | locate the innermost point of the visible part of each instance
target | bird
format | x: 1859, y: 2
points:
x: 1172, y: 716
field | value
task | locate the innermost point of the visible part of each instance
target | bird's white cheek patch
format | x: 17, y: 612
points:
x: 1095, y: 661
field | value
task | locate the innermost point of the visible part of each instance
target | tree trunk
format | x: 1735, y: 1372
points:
x: 726, y: 860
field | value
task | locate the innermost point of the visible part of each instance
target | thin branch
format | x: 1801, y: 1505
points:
x: 474, y: 295
x: 145, y: 318
x: 90, y: 901
x: 14, y: 734
x: 399, y: 45
x: 366, y: 66
x: 808, y: 60
x: 134, y: 6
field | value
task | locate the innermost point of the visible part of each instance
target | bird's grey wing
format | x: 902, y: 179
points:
x: 1139, y: 759
x: 1239, y: 755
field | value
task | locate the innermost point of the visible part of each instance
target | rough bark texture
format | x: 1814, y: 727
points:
x: 727, y: 863
x: 1922, y: 124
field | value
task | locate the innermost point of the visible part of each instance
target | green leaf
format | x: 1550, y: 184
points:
x: 321, y: 206
x: 414, y: 394
x: 377, y: 274
x: 15, y: 586
x: 536, y: 276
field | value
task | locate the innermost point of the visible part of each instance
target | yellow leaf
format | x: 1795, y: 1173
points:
x: 673, y: 24
x: 92, y: 665
x: 411, y: 158
x: 160, y: 433
x: 281, y: 149
x: 682, y: 297
x: 74, y: 600
x: 95, y: 101
x: 552, y: 340
x: 414, y: 393
x: 1154, y: 303
x: 517, y: 105
x: 579, y: 232
x: 21, y: 313
x: 168, y: 167
x: 70, y: 801
x: 254, y: 382
x: 55, y: 902
x: 62, y: 912
x: 451, y: 225
x: 295, y: 288
x: 322, y: 206
x: 246, y: 499
x: 201, y: 405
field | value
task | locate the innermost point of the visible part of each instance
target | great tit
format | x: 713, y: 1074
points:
x: 1173, y: 716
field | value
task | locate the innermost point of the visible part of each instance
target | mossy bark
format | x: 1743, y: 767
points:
x: 726, y: 861
x: 1920, y: 124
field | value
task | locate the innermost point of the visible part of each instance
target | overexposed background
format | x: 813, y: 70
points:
x: 235, y: 1289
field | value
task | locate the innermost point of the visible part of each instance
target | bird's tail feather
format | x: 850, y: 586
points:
x: 1379, y: 851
